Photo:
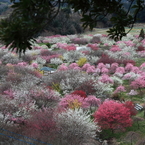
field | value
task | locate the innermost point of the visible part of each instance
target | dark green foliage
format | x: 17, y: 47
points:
x: 65, y: 23
x: 141, y: 35
x: 3, y: 8
x: 25, y: 23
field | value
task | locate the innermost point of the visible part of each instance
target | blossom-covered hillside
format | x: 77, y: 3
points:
x: 57, y: 92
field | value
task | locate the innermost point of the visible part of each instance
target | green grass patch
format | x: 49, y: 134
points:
x: 140, y: 61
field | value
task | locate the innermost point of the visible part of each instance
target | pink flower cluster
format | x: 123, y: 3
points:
x: 66, y: 46
x: 138, y: 83
x: 106, y: 79
x: 120, y: 89
x: 74, y: 100
x: 115, y: 48
x: 93, y: 46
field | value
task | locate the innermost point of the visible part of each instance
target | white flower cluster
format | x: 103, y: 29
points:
x: 53, y: 40
x: 40, y: 60
x: 44, y: 46
x: 72, y: 56
x: 10, y: 58
x: 131, y: 76
x: 92, y: 59
x: 128, y: 37
x: 32, y: 52
x: 75, y: 127
x: 56, y: 61
x: 83, y: 48
x: 107, y: 41
x: 72, y: 36
x: 117, y: 80
x: 127, y: 53
x: 71, y: 83
x: 141, y: 54
x: 103, y: 89
x: 87, y: 37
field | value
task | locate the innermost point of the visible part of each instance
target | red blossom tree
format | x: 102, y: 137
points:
x: 80, y: 93
x: 130, y: 105
x: 113, y: 115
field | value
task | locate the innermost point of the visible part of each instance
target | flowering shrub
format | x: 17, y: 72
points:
x: 140, y: 48
x: 62, y: 67
x: 80, y: 93
x: 76, y: 127
x: 44, y: 97
x: 65, y: 46
x: 53, y: 107
x: 106, y: 79
x: 120, y: 70
x: 14, y: 77
x: 73, y: 65
x: 10, y: 58
x: 73, y: 101
x: 128, y: 67
x: 104, y: 70
x: 138, y: 83
x: 108, y: 60
x: 80, y: 41
x: 56, y: 61
x: 130, y: 105
x: 72, y: 56
x: 87, y: 86
x: 113, y: 115
x: 41, y: 125
x: 93, y: 101
x: 115, y: 48
x: 120, y: 89
x: 93, y: 46
x: 46, y: 52
x: 81, y: 61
